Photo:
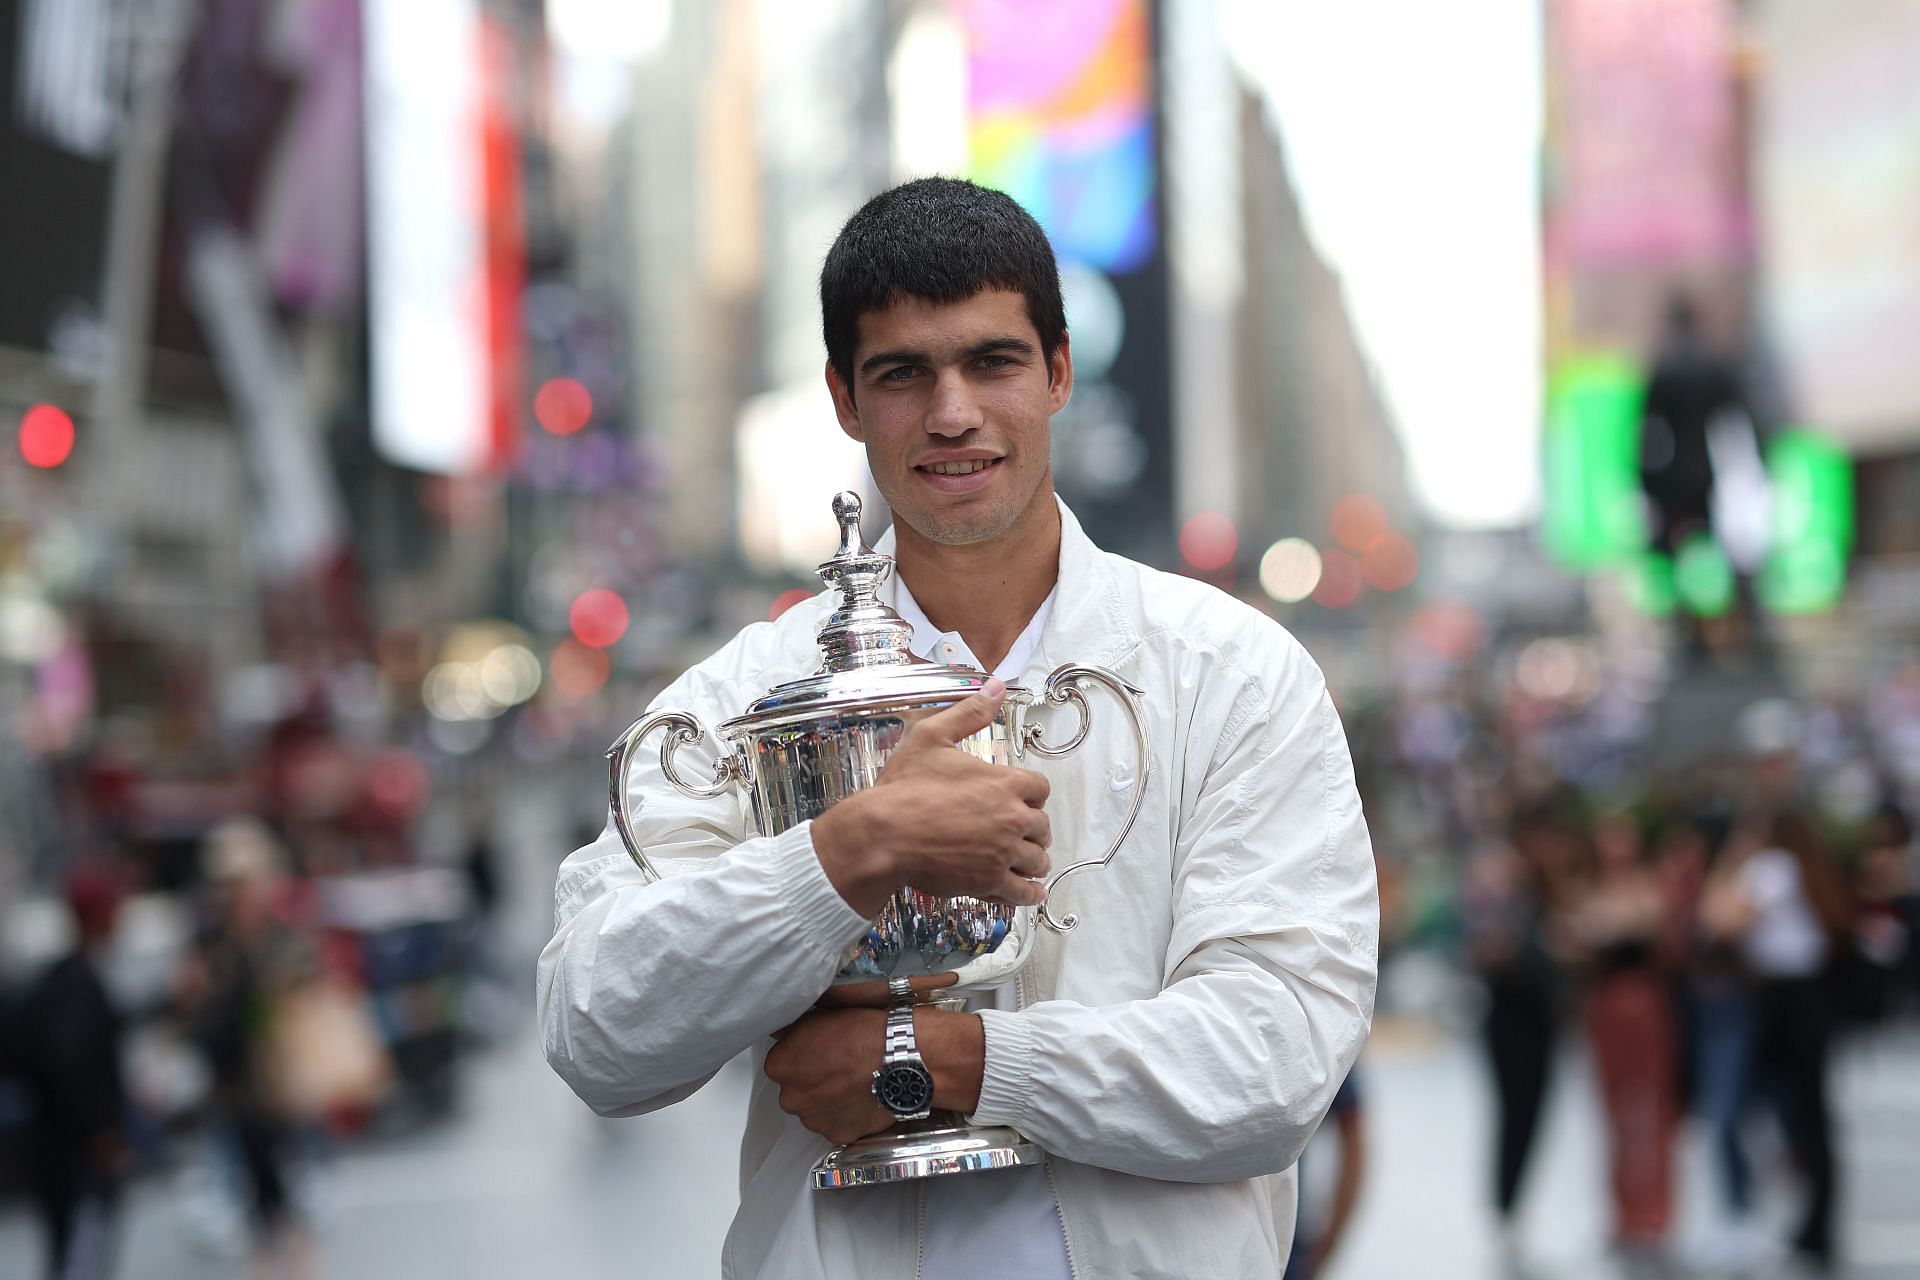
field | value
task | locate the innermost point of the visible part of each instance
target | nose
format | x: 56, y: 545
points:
x: 953, y: 410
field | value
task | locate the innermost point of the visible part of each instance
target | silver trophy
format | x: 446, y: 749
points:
x: 808, y: 743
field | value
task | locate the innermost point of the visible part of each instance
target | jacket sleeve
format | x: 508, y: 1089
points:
x: 647, y: 989
x: 1269, y: 973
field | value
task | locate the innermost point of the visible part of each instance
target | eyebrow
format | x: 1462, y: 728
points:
x: 990, y: 346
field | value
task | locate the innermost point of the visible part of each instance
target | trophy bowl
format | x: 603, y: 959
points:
x: 805, y: 745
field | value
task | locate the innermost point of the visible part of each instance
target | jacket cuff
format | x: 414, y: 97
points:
x: 1007, y: 1081
x: 814, y: 905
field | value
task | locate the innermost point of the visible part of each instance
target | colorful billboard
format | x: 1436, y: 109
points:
x: 1060, y: 100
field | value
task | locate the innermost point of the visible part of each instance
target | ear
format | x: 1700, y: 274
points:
x: 1060, y: 376
x: 843, y: 406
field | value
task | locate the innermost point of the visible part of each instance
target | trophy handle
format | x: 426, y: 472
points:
x: 1063, y: 687
x: 686, y: 729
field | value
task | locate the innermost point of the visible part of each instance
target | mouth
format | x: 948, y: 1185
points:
x: 958, y: 476
x: 965, y: 468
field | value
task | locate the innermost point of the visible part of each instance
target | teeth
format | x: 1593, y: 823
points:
x: 956, y: 468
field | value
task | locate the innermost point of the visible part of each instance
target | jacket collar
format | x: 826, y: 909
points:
x: 1089, y: 622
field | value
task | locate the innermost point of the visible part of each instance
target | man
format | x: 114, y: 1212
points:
x: 1171, y: 1054
x: 70, y: 1040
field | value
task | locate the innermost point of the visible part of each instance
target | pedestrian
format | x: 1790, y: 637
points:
x: 231, y: 993
x: 1619, y: 926
x: 70, y: 1037
x: 1514, y: 896
x: 1724, y: 1046
x: 1174, y: 1051
x: 1789, y: 912
x: 1316, y: 1240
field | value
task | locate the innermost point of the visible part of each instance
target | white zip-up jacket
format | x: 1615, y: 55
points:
x: 1172, y: 1054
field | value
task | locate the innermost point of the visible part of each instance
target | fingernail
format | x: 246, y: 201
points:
x: 994, y: 687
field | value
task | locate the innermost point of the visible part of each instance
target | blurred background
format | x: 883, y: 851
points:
x: 398, y: 392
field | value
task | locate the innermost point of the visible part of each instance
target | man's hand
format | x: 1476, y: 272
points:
x: 824, y: 1065
x: 941, y: 820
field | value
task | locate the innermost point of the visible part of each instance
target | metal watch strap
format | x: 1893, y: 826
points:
x: 900, y: 1044
x: 899, y: 992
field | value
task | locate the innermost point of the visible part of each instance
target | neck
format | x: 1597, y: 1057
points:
x: 986, y: 591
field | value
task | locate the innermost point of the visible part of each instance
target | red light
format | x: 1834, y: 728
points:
x: 1390, y: 563
x: 563, y: 406
x: 1357, y: 520
x: 1340, y: 582
x: 786, y: 600
x: 598, y: 617
x: 577, y: 670
x: 46, y: 435
x: 1208, y: 541
x: 398, y: 783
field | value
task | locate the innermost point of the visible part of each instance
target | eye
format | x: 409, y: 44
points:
x: 899, y: 373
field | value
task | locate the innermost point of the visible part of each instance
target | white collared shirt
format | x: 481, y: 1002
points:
x: 935, y: 645
x: 1014, y: 1208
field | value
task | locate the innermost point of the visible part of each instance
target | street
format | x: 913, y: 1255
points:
x: 524, y: 1181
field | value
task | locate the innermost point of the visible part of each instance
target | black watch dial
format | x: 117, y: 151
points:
x: 904, y: 1088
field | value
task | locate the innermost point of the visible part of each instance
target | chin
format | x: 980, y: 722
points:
x: 953, y: 532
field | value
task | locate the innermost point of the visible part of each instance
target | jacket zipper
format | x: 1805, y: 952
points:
x: 920, y: 1228
x: 1020, y: 1001
x: 1060, y: 1214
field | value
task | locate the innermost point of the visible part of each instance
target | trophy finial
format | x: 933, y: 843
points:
x: 863, y: 631
x: 846, y: 509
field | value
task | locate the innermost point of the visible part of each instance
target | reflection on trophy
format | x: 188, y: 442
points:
x: 808, y: 743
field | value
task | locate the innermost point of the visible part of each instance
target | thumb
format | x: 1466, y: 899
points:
x: 969, y: 715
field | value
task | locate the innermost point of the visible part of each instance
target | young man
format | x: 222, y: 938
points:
x: 1172, y: 1053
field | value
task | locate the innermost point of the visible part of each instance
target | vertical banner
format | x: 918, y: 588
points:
x: 1063, y: 115
x: 443, y: 230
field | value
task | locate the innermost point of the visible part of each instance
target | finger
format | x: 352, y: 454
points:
x: 1017, y: 891
x: 1040, y: 830
x: 1030, y: 860
x: 1024, y: 892
x: 966, y: 717
x: 1032, y: 788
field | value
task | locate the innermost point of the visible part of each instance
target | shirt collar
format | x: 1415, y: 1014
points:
x: 947, y: 646
x: 1089, y: 619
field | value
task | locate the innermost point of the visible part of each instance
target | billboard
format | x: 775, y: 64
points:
x: 1063, y: 115
x: 1837, y: 149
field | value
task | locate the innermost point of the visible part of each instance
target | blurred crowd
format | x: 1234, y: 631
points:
x: 1702, y: 929
x: 231, y: 1031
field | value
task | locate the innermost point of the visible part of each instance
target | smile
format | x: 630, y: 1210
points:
x: 962, y: 476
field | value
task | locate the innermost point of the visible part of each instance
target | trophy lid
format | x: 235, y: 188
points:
x: 866, y: 659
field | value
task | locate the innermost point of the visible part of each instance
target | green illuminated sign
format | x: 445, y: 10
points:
x: 1806, y: 571
x: 1594, y: 515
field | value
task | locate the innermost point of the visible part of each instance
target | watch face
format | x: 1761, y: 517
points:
x: 904, y: 1088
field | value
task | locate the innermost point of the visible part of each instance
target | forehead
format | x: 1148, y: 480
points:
x: 921, y: 324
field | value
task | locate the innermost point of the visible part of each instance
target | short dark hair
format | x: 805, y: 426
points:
x: 940, y: 240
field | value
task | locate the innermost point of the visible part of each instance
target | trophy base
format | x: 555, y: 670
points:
x: 940, y: 1144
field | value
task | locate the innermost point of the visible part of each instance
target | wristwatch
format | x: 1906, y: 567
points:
x: 903, y: 1085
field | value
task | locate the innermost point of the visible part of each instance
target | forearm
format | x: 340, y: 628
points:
x: 955, y: 1048
x: 1222, y: 1076
x: 648, y: 988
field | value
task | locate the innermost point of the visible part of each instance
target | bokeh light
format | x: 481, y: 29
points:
x: 563, y: 406
x: 598, y: 617
x: 1341, y: 582
x: 1290, y: 570
x: 1208, y: 541
x: 398, y: 783
x: 786, y: 600
x: 578, y: 670
x: 1357, y: 520
x: 1390, y: 563
x: 46, y: 435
